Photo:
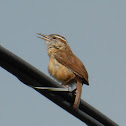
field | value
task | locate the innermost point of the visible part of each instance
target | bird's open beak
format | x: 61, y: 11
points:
x: 42, y: 36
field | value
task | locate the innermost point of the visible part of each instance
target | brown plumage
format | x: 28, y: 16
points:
x: 64, y: 65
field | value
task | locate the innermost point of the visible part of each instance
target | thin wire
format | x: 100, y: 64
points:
x: 29, y: 75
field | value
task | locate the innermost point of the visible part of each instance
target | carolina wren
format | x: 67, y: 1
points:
x: 64, y: 65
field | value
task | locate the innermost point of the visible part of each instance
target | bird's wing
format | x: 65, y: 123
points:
x: 72, y: 62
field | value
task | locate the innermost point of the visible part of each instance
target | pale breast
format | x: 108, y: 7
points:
x: 58, y: 71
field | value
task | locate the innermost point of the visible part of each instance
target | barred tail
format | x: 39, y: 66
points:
x: 78, y: 94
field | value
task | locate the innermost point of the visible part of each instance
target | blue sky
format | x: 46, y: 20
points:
x: 96, y: 32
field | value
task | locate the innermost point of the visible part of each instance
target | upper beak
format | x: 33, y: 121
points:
x: 45, y: 37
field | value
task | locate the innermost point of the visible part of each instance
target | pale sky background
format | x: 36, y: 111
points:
x: 96, y: 32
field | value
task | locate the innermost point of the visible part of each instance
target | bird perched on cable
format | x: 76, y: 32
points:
x: 64, y: 65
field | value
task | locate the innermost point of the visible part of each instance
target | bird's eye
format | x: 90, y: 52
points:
x: 54, y: 37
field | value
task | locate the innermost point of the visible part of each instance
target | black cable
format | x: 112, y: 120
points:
x: 32, y: 76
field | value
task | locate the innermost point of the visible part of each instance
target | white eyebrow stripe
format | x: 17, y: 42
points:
x: 58, y: 36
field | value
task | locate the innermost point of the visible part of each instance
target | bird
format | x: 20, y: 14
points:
x: 64, y: 66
